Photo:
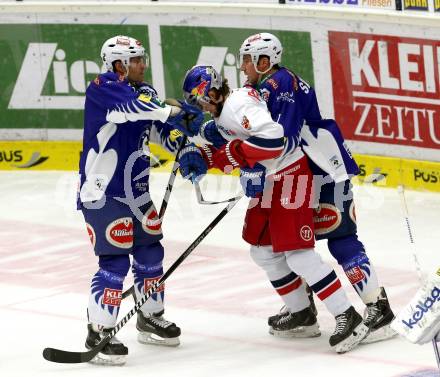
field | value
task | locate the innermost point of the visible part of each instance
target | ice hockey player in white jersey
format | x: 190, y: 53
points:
x: 292, y: 102
x: 275, y: 173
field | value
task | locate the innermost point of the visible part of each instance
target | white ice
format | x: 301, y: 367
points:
x: 218, y: 296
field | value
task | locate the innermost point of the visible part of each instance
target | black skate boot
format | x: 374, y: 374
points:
x: 114, y: 353
x: 378, y: 316
x: 312, y: 301
x: 154, y: 329
x: 349, y: 332
x: 273, y: 318
x: 302, y: 324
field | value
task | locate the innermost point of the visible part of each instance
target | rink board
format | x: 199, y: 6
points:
x: 64, y: 155
x: 375, y: 71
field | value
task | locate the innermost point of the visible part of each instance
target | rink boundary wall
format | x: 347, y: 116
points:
x: 391, y: 125
x: 64, y: 155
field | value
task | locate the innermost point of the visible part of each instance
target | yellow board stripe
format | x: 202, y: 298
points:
x: 64, y: 155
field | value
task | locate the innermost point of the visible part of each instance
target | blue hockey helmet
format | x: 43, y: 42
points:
x: 198, y: 81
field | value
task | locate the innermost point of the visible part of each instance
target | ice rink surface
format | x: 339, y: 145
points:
x: 218, y: 296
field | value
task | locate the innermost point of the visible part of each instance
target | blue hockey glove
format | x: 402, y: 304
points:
x: 188, y: 120
x: 252, y: 180
x: 210, y: 132
x: 192, y: 164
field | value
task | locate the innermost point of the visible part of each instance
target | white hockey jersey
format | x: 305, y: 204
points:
x: 245, y: 116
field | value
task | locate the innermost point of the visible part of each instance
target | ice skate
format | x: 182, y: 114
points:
x: 378, y: 317
x: 312, y: 301
x: 114, y: 353
x: 302, y: 324
x: 349, y: 332
x: 154, y: 329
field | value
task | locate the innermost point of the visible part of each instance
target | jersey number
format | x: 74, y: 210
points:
x: 304, y: 86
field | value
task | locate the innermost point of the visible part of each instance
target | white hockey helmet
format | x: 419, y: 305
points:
x: 122, y: 48
x: 262, y: 44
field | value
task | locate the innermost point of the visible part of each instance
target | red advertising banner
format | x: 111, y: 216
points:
x: 386, y: 89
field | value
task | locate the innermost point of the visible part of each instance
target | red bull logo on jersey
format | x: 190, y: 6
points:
x: 245, y: 123
x: 112, y: 297
x: 120, y: 233
x: 199, y: 90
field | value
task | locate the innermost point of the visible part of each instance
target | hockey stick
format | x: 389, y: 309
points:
x: 166, y: 197
x: 61, y: 356
x: 201, y: 200
x: 401, y: 191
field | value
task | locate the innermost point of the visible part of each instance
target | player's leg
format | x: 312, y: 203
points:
x: 336, y: 202
x: 296, y: 321
x: 296, y: 318
x: 147, y: 268
x: 350, y: 329
x: 103, y: 308
x: 291, y: 230
x: 111, y: 232
x: 349, y: 253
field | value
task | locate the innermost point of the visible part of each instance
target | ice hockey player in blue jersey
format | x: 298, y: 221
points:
x: 292, y: 102
x: 122, y: 115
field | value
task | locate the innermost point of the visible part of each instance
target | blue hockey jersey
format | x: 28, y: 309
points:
x: 119, y: 122
x: 292, y: 102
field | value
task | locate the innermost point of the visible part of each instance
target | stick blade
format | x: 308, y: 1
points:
x: 67, y: 357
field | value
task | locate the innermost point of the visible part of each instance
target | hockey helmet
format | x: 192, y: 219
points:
x: 198, y: 81
x: 262, y: 44
x: 121, y: 48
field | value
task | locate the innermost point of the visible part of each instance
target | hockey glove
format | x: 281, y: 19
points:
x: 228, y: 157
x: 192, y: 163
x: 188, y: 120
x: 252, y: 180
x: 210, y: 132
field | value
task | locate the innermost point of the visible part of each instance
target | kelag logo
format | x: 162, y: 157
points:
x: 13, y: 157
x: 422, y: 308
x: 219, y: 47
x: 386, y: 89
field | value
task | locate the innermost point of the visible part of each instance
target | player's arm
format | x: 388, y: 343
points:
x: 210, y: 133
x: 323, y: 143
x: 126, y: 104
x: 265, y: 141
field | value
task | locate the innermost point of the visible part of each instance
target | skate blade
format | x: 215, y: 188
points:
x: 112, y: 360
x: 383, y: 333
x: 150, y: 338
x: 358, y: 334
x: 298, y: 332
